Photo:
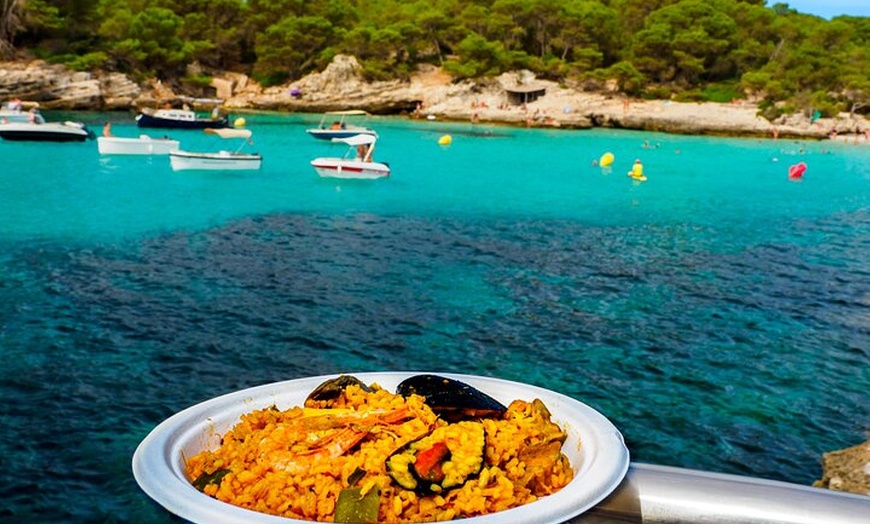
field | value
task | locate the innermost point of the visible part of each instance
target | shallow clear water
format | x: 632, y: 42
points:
x: 718, y: 313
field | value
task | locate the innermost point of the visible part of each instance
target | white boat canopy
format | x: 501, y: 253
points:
x: 229, y: 132
x: 357, y: 140
x: 348, y: 112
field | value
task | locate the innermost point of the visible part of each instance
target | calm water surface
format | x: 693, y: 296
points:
x: 718, y: 314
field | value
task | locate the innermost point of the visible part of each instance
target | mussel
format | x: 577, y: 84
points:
x: 451, y: 399
x: 442, y: 460
x: 333, y: 388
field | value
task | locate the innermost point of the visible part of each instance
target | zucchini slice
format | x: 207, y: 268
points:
x: 442, y: 460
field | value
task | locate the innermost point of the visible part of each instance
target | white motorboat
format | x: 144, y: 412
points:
x: 356, y: 163
x: 337, y: 124
x: 143, y: 145
x: 16, y: 124
x: 220, y: 160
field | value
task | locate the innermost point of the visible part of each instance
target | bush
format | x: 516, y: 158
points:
x: 271, y: 78
x: 723, y: 92
x: 691, y: 95
x: 198, y: 81
x: 87, y: 62
x: 657, y: 93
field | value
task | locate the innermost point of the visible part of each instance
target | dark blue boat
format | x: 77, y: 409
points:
x: 179, y: 119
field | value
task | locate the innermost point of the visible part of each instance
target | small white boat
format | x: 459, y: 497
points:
x: 336, y: 124
x: 144, y: 145
x: 356, y: 163
x: 221, y: 160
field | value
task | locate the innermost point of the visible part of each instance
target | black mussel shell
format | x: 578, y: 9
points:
x: 451, y: 399
x: 332, y: 388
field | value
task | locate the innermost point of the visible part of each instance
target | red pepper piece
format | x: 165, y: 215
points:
x: 427, y: 463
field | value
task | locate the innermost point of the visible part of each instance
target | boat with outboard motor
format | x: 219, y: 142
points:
x: 356, y: 163
x: 341, y: 126
x: 16, y: 124
x: 220, y: 160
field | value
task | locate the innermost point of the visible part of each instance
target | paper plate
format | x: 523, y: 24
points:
x: 594, y: 446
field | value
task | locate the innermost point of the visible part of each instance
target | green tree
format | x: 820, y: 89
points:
x: 684, y: 41
x: 146, y: 42
x: 290, y: 48
x: 476, y: 56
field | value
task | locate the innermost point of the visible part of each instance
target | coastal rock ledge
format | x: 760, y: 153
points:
x: 847, y: 470
x: 429, y: 92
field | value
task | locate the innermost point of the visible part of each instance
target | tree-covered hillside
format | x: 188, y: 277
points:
x: 685, y: 49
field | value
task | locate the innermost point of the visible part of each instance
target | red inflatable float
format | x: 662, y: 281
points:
x: 797, y: 170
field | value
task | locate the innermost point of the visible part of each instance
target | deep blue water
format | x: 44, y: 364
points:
x: 719, y: 313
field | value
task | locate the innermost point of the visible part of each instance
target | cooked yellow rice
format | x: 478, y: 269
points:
x: 272, y: 471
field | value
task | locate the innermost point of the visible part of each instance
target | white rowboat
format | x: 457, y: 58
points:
x: 221, y: 160
x: 144, y: 145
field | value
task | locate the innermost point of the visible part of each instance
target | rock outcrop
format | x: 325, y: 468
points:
x: 340, y: 86
x: 53, y: 86
x: 847, y: 470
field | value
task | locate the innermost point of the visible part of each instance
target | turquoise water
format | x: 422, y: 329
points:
x: 718, y: 313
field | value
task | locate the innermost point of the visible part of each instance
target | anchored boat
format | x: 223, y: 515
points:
x: 16, y: 124
x: 356, y: 163
x: 338, y: 124
x: 143, y: 145
x: 220, y: 160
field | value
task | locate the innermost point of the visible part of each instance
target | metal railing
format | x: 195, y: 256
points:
x: 663, y: 494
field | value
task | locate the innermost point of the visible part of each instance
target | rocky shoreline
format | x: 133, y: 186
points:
x: 429, y: 93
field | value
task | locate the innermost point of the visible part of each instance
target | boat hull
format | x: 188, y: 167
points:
x: 350, y: 169
x: 136, y: 146
x: 331, y: 134
x: 146, y: 120
x: 51, y: 132
x: 221, y: 161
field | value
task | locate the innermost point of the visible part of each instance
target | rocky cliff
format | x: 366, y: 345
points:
x: 56, y: 87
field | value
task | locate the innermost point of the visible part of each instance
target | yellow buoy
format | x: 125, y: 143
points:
x: 445, y: 140
x: 240, y: 122
x: 606, y: 160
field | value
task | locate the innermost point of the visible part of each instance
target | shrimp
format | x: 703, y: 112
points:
x: 323, y: 434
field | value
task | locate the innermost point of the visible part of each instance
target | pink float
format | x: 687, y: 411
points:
x: 797, y: 170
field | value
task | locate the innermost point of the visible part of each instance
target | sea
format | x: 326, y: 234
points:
x: 717, y: 313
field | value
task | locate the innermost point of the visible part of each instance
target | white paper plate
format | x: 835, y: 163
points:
x: 594, y: 446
